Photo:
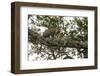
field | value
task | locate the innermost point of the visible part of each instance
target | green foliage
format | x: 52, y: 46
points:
x: 62, y: 34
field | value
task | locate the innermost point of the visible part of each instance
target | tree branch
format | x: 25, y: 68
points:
x: 59, y: 43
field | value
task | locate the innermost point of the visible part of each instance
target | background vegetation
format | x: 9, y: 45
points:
x: 57, y: 37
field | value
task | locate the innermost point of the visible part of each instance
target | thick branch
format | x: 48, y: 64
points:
x: 59, y: 43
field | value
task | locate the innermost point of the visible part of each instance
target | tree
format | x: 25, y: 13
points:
x: 58, y: 37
